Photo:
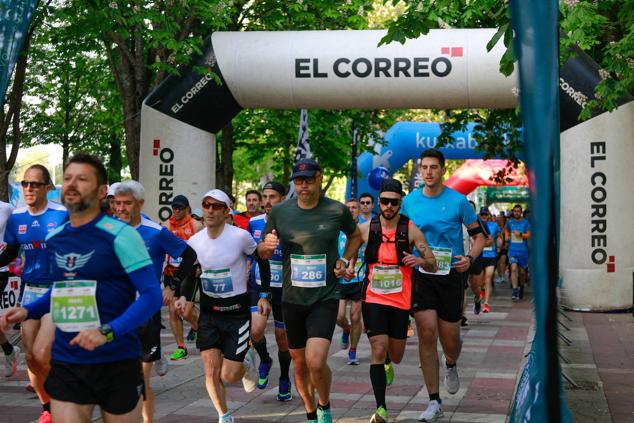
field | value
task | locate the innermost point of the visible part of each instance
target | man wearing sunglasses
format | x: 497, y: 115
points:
x: 440, y: 213
x: 27, y: 228
x: 387, y: 287
x: 184, y: 226
x: 307, y: 227
x: 366, y: 204
x: 224, y: 320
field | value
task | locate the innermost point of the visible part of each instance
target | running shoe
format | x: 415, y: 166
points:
x: 45, y: 417
x: 192, y: 335
x: 30, y: 388
x: 179, y: 354
x: 515, y: 294
x: 477, y: 305
x: 486, y: 308
x: 324, y: 416
x: 263, y: 372
x: 452, y: 381
x: 344, y: 342
x: 227, y: 418
x: 352, y: 358
x: 311, y: 421
x: 482, y: 294
x: 11, y: 363
x: 463, y: 322
x: 250, y: 378
x: 379, y: 416
x: 433, y: 412
x: 161, y: 366
x: 389, y: 374
x: 284, y: 390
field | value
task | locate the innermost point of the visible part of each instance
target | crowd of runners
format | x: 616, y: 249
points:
x: 96, y: 271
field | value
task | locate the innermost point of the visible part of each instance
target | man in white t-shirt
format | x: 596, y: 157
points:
x: 11, y: 353
x: 225, y: 315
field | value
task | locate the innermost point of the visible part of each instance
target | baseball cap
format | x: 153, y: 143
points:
x: 305, y: 167
x: 392, y: 185
x: 180, y: 200
x: 219, y: 195
x: 275, y: 186
x: 484, y: 210
x: 112, y: 189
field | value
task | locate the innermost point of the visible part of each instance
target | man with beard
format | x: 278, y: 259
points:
x: 100, y: 266
x: 27, y: 228
x: 387, y: 287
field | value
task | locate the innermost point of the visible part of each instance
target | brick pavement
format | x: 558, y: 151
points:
x: 492, y: 354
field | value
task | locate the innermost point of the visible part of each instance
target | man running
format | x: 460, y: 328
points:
x: 387, y: 288
x: 351, y: 293
x: 99, y: 266
x: 183, y: 225
x: 224, y: 320
x: 489, y: 256
x: 159, y: 242
x: 307, y: 227
x: 27, y: 228
x: 502, y: 259
x: 253, y: 199
x: 440, y: 212
x: 476, y: 271
x: 11, y: 353
x: 518, y: 231
x: 273, y: 193
x: 366, y: 204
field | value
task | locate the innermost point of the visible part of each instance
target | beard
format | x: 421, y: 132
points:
x: 83, y: 204
x: 392, y: 214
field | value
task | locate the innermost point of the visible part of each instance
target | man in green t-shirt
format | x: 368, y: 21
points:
x: 307, y: 227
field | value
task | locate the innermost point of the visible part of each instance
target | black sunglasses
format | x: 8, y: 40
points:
x: 32, y: 184
x: 365, y: 203
x: 389, y: 201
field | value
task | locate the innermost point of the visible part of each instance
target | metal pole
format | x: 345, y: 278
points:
x: 353, y: 164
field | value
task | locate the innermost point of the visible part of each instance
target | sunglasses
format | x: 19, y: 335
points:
x: 366, y: 203
x: 32, y: 184
x: 389, y: 201
x: 304, y: 179
x: 178, y: 208
x: 214, y: 206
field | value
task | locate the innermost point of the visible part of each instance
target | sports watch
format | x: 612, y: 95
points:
x: 106, y: 330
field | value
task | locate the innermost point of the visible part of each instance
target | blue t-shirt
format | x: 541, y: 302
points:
x: 440, y: 218
x: 256, y: 229
x: 494, y: 231
x: 517, y: 244
x: 29, y: 231
x: 159, y: 242
x: 111, y: 253
x: 341, y: 246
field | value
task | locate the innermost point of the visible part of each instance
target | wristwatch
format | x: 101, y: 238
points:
x: 344, y: 260
x: 106, y: 330
x: 266, y: 295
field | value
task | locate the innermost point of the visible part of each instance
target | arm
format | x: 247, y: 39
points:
x: 464, y: 262
x: 9, y: 253
x: 426, y: 260
x: 353, y: 242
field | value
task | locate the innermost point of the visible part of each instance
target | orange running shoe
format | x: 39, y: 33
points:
x: 486, y: 308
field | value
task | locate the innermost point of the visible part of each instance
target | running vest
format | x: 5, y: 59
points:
x: 184, y: 229
x: 375, y: 239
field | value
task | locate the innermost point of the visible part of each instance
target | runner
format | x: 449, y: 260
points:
x: 502, y: 260
x: 253, y: 199
x: 182, y: 224
x: 518, y: 231
x: 366, y: 205
x: 307, y: 227
x: 351, y: 293
x: 159, y: 242
x: 273, y: 193
x: 387, y: 288
x: 476, y: 270
x: 489, y: 254
x: 11, y: 353
x: 440, y: 212
x: 223, y: 324
x: 100, y: 263
x: 27, y: 228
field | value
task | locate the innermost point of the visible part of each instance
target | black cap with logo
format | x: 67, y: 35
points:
x: 305, y: 168
x: 392, y: 185
x: 275, y: 186
x: 181, y: 201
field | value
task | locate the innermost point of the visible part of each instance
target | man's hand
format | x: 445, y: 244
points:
x: 89, y: 339
x: 340, y: 269
x: 168, y: 295
x: 180, y: 304
x: 264, y: 307
x: 271, y: 241
x: 410, y: 260
x: 13, y: 315
x: 463, y: 263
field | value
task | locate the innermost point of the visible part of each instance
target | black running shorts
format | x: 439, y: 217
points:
x: 314, y: 321
x: 476, y: 267
x: 443, y: 293
x: 351, y: 291
x: 150, y: 336
x: 382, y: 319
x: 488, y: 262
x: 227, y: 332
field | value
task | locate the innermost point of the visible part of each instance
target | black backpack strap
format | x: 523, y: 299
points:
x: 402, y: 239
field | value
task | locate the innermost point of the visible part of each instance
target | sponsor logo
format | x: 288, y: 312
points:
x: 34, y: 245
x: 577, y: 96
x: 599, y: 208
x: 35, y: 224
x: 257, y: 233
x: 22, y: 229
x: 72, y: 261
x: 165, y: 178
x: 227, y: 308
x: 191, y: 93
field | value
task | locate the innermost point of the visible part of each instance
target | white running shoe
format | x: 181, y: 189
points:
x: 227, y: 418
x: 161, y: 366
x: 250, y: 378
x: 11, y: 363
x: 433, y: 412
x: 452, y: 381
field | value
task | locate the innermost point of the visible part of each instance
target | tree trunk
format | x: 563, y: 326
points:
x: 115, y: 165
x: 224, y: 166
x: 65, y: 149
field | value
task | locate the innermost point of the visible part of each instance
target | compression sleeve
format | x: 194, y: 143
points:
x: 265, y: 272
x: 149, y: 301
x: 41, y: 306
x: 187, y: 265
x: 9, y: 254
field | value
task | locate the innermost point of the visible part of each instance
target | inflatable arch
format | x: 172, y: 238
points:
x: 447, y: 68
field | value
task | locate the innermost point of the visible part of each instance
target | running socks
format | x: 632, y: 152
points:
x: 324, y: 407
x: 435, y: 397
x: 7, y: 348
x: 46, y: 407
x: 260, y: 347
x: 285, y: 363
x: 379, y: 383
x: 312, y: 415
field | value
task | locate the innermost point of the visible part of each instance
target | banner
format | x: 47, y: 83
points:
x: 303, y: 147
x: 15, y: 19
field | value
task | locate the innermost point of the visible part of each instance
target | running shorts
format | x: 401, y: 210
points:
x: 351, y: 291
x: 521, y: 259
x: 313, y: 321
x: 488, y: 262
x: 275, y: 307
x: 476, y: 266
x: 443, y: 293
x: 227, y: 332
x: 380, y: 319
x: 150, y: 336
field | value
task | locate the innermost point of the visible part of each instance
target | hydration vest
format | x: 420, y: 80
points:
x: 375, y: 239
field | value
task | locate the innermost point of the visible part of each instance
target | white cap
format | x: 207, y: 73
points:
x: 112, y: 188
x: 219, y: 195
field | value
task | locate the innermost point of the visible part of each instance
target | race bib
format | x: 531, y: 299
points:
x: 74, y: 305
x: 276, y: 274
x: 490, y: 248
x: 443, y: 259
x: 515, y: 239
x: 386, y: 279
x: 217, y: 283
x: 32, y: 293
x: 308, y: 271
x: 9, y: 297
x: 175, y: 261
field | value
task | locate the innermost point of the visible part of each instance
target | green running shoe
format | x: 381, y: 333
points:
x: 379, y: 416
x: 179, y: 354
x: 389, y: 374
x: 324, y: 416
